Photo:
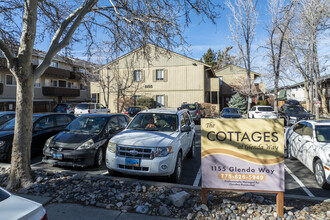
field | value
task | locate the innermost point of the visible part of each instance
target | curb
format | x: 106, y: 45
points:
x: 173, y: 185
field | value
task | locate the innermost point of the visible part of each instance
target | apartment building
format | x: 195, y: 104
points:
x: 232, y: 79
x: 62, y: 82
x: 167, y: 77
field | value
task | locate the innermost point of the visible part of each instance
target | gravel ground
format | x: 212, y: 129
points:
x: 163, y: 200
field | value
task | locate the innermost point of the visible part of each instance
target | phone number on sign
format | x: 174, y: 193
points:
x: 241, y: 176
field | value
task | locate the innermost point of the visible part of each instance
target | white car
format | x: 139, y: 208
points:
x: 154, y: 144
x: 309, y: 142
x: 262, y: 111
x: 14, y: 207
x: 90, y: 108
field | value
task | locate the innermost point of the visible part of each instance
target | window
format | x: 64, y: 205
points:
x: 298, y: 128
x: 92, y: 106
x: 37, y: 84
x: 182, y: 121
x: 95, y: 97
x: 160, y: 100
x: 69, y: 85
x: 10, y: 80
x: 54, y: 83
x: 308, y: 130
x: 102, y: 106
x: 82, y: 87
x: 186, y: 118
x: 122, y: 122
x: 62, y: 120
x: 160, y: 74
x: 113, y: 124
x: 62, y: 83
x: 44, y: 123
x: 54, y: 64
x: 137, y: 75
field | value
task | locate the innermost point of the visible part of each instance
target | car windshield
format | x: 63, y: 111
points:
x: 82, y: 106
x: 154, y: 122
x: 189, y: 106
x: 3, y: 195
x: 323, y: 133
x: 230, y: 111
x: 296, y: 109
x: 10, y: 125
x: 87, y: 125
x: 136, y: 109
x: 265, y: 109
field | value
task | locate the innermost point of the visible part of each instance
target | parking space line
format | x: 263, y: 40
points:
x: 299, y: 182
x: 198, y: 177
x: 35, y: 164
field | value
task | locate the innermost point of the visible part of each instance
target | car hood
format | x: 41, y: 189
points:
x: 6, y: 133
x: 72, y: 138
x: 145, y: 138
x: 324, y: 146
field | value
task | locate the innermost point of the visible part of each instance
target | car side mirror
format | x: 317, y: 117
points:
x: 186, y: 128
x: 307, y: 138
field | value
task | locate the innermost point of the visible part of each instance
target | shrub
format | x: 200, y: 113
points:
x: 146, y: 101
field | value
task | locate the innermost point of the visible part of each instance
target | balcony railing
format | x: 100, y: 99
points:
x: 61, y: 73
x: 60, y: 91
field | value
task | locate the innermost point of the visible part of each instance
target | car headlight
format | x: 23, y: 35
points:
x: 49, y: 141
x: 291, y: 117
x: 87, y: 145
x: 2, y: 143
x: 112, y: 147
x: 162, y: 151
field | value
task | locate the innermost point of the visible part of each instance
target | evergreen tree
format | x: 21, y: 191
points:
x: 210, y: 57
x: 239, y: 102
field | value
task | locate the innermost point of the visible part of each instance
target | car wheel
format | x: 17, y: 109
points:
x: 176, y: 176
x: 320, y: 175
x: 112, y: 172
x: 191, y: 153
x: 252, y: 116
x: 98, y: 158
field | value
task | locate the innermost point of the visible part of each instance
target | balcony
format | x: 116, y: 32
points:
x: 1, y: 88
x: 60, y: 91
x: 61, y: 73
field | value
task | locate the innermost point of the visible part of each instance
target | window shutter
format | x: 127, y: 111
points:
x: 165, y: 75
x: 154, y: 75
x: 165, y: 100
x: 143, y: 75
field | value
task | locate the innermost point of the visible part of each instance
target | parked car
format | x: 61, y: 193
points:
x: 14, y: 207
x: 153, y: 144
x: 6, y: 116
x: 230, y: 113
x: 90, y: 108
x: 44, y: 126
x: 309, y: 142
x: 133, y: 110
x: 83, y: 142
x: 262, y: 111
x: 65, y: 108
x: 293, y: 113
x: 194, y: 111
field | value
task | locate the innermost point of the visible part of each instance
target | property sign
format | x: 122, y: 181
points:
x: 243, y: 154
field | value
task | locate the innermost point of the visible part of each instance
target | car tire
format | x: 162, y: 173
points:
x: 176, y: 176
x: 191, y: 153
x: 252, y: 116
x: 113, y: 172
x: 98, y: 160
x: 320, y: 175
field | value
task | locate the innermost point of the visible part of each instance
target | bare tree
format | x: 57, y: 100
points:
x: 242, y: 29
x: 224, y: 58
x: 125, y: 25
x: 311, y: 21
x: 281, y: 16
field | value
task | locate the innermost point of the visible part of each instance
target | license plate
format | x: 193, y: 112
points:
x: 58, y: 156
x: 132, y: 162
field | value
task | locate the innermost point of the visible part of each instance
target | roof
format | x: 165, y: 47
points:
x: 162, y: 110
x: 219, y: 70
x: 208, y: 68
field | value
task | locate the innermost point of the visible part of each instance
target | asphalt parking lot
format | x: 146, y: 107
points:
x: 298, y: 179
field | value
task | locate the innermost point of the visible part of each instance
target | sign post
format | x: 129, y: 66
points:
x: 243, y: 155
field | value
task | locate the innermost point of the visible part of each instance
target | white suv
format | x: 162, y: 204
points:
x: 262, y: 111
x: 154, y: 143
x: 90, y: 108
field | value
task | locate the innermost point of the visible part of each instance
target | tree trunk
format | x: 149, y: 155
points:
x: 20, y: 170
x: 324, y: 101
x: 276, y: 93
x: 307, y: 98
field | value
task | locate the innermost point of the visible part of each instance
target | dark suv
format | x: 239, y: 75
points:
x: 293, y: 112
